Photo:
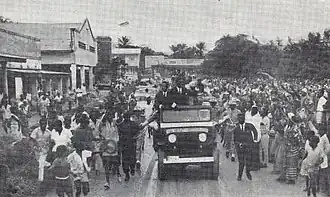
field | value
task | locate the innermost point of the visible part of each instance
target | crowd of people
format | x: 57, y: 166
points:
x: 286, y: 123
x: 262, y: 120
x: 71, y: 145
x: 259, y: 120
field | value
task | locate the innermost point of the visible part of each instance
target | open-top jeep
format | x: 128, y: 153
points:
x: 187, y: 137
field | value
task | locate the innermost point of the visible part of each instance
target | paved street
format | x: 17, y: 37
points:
x: 192, y: 182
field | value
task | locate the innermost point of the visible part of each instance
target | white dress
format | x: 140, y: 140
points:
x: 319, y: 110
x: 312, y: 158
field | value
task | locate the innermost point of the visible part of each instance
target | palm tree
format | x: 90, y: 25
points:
x: 124, y: 42
x: 201, y: 46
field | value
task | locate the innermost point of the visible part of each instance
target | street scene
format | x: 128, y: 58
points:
x: 153, y: 98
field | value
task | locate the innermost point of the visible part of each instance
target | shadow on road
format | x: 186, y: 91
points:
x: 191, y: 172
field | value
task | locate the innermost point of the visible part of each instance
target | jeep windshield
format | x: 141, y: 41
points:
x: 186, y: 115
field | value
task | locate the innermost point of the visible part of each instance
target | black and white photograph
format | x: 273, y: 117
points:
x: 164, y: 98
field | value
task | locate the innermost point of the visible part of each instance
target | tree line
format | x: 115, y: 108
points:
x: 243, y: 57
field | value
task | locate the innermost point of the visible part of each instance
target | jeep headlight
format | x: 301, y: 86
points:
x: 172, y: 138
x: 202, y: 137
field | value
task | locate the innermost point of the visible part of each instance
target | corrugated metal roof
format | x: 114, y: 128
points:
x: 54, y: 36
x: 14, y: 44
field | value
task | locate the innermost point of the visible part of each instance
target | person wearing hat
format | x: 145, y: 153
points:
x: 244, y: 135
x: 231, y: 117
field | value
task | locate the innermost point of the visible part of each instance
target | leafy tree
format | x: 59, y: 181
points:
x: 232, y: 55
x: 240, y: 56
x: 183, y: 51
x: 178, y: 50
x: 190, y: 53
x: 201, y: 47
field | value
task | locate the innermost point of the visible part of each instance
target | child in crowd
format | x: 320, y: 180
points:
x: 311, y: 164
x: 61, y: 169
x: 303, y: 168
x: 79, y: 163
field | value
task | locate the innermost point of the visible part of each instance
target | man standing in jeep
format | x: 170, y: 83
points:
x: 178, y: 95
x: 161, y: 97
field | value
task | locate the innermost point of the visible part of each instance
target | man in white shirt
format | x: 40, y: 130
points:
x: 60, y: 136
x: 254, y: 118
x: 41, y: 136
x: 319, y: 109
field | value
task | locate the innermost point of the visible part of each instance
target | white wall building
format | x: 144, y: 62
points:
x: 163, y: 67
x: 20, y: 63
x: 68, y: 52
x: 132, y: 59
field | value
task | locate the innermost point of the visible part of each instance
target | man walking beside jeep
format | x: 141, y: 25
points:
x: 244, y: 133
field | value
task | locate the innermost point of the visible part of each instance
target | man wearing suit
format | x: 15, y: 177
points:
x: 161, y: 97
x: 244, y: 134
x: 178, y: 95
x: 161, y: 101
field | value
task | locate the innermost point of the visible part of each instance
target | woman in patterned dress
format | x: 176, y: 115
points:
x: 294, y: 144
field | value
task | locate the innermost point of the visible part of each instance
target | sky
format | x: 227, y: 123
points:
x: 161, y: 23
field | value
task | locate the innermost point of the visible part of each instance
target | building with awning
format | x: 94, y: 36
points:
x: 68, y: 53
x: 18, y: 51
